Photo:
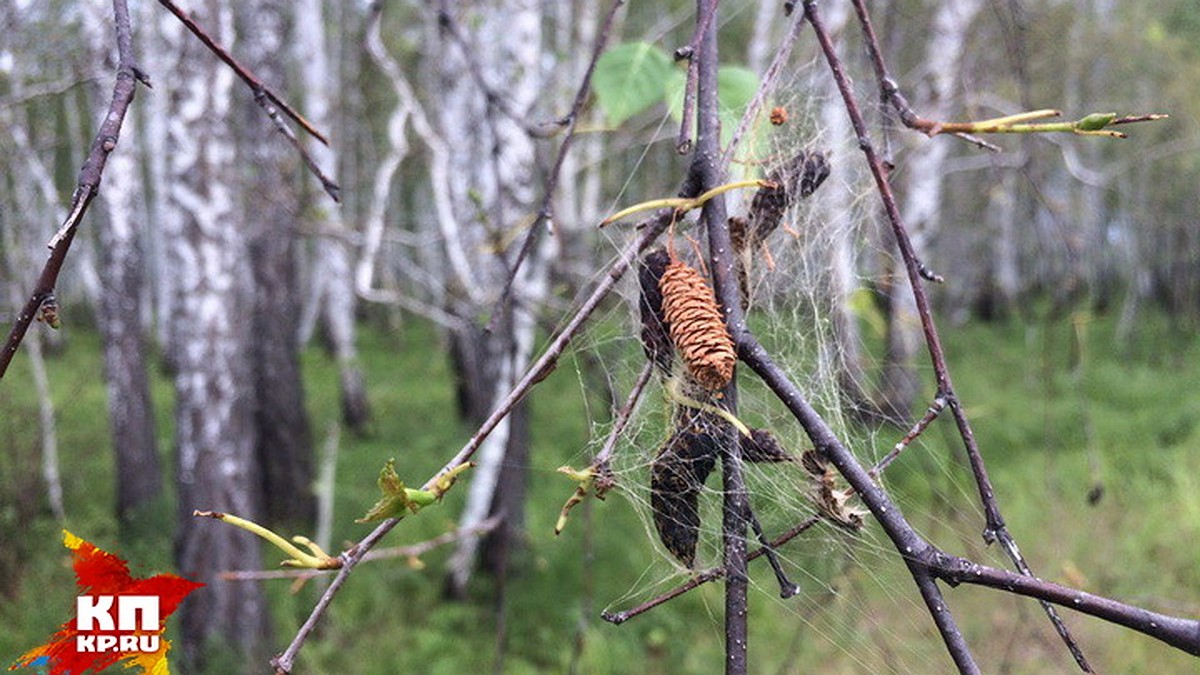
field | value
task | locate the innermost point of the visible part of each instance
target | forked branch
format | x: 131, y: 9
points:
x: 265, y: 97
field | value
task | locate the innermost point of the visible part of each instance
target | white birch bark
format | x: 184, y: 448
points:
x: 922, y: 190
x: 130, y: 408
x: 23, y: 248
x: 215, y: 460
x: 492, y: 193
x: 334, y: 265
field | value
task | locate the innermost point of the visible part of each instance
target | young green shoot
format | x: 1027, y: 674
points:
x: 315, y: 559
x: 674, y: 393
x: 1095, y: 124
x: 594, y: 480
x: 684, y: 204
x: 398, y: 501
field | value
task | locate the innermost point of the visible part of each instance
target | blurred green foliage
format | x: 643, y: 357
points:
x: 1062, y: 411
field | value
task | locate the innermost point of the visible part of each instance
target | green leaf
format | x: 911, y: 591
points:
x: 735, y: 88
x: 394, y: 502
x: 629, y: 79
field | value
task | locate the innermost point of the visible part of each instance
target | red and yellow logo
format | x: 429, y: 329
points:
x: 117, y: 617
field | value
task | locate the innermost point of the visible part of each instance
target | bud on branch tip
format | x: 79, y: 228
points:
x: 1095, y: 124
x: 398, y: 501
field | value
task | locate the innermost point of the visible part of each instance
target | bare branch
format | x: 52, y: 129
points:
x: 88, y: 182
x: 704, y: 174
x: 264, y: 96
x: 546, y: 212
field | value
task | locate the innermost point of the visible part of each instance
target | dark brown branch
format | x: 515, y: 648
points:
x: 270, y: 102
x: 705, y: 173
x: 995, y: 528
x: 88, y: 183
x: 1180, y: 633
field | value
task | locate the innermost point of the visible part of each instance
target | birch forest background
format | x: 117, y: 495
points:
x: 259, y: 311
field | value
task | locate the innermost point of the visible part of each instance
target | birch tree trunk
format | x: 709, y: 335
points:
x: 36, y: 203
x: 334, y: 265
x: 922, y: 205
x: 492, y: 193
x: 216, y: 467
x: 120, y: 313
x: 284, y: 440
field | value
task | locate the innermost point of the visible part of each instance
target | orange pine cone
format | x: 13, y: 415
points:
x: 696, y: 326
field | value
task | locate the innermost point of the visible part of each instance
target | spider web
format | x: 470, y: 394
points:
x: 849, y: 581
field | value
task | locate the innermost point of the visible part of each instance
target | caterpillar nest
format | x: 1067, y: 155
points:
x: 696, y: 327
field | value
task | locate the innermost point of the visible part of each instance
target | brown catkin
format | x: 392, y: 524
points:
x: 655, y: 340
x: 795, y: 179
x: 676, y: 479
x: 696, y: 326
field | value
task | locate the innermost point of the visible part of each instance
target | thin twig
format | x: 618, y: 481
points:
x: 536, y: 372
x: 764, y: 87
x: 270, y: 102
x: 704, y: 20
x: 787, y: 588
x: 995, y: 527
x: 244, y: 73
x: 939, y: 404
x: 88, y: 183
x: 623, y: 416
x: 328, y: 184
x: 546, y: 212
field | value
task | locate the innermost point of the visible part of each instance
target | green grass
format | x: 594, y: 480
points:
x: 1059, y: 409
